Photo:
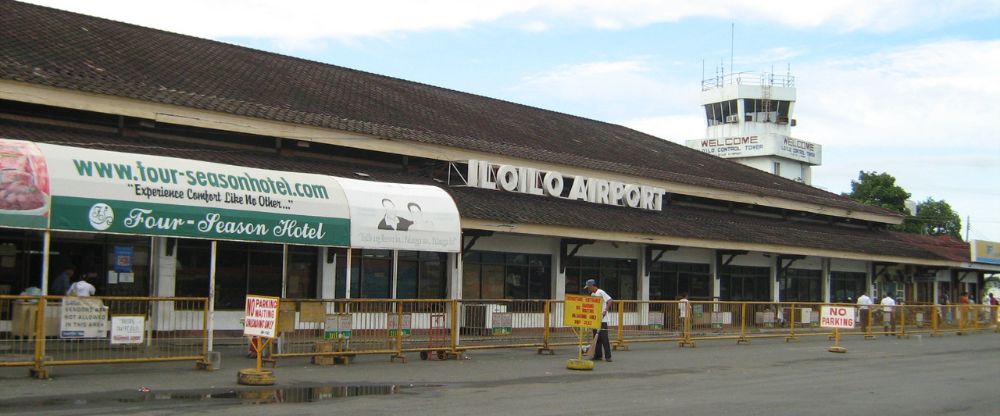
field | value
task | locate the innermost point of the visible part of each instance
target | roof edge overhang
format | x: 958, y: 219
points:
x: 208, y: 119
x: 570, y: 232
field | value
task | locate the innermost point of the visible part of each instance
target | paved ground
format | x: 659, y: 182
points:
x: 958, y: 375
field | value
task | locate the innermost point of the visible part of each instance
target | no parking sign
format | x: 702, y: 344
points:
x: 836, y: 317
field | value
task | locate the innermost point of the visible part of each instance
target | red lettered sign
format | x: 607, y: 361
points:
x: 836, y: 317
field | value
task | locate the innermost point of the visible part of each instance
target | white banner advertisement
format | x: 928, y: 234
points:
x: 69, y: 188
x: 402, y: 217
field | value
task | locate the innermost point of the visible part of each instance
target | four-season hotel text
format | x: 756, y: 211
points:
x: 224, y: 181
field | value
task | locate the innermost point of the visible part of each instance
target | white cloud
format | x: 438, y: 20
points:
x: 297, y: 21
x: 621, y: 89
x: 677, y: 128
x: 919, y: 96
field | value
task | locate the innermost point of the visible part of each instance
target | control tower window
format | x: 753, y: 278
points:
x: 721, y: 113
x: 766, y: 111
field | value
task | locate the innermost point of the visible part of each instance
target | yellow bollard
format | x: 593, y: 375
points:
x: 579, y: 363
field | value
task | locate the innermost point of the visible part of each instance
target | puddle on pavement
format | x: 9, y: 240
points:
x: 254, y: 396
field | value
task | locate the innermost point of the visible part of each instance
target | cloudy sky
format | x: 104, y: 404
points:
x: 911, y: 88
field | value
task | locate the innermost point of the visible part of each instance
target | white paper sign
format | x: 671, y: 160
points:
x: 83, y: 318
x: 128, y: 329
x: 836, y: 317
x: 260, y: 317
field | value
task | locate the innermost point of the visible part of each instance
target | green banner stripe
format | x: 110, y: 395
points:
x: 24, y: 221
x: 98, y: 215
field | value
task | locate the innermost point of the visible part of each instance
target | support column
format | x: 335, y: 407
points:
x: 455, y: 275
x: 825, y: 279
x: 776, y: 272
x: 328, y: 273
x: 559, y: 280
x: 713, y: 269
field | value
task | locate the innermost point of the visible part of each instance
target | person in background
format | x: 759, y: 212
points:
x: 994, y: 304
x: 61, y: 283
x: 888, y: 315
x: 603, y: 347
x: 863, y: 302
x: 682, y: 308
x: 963, y: 308
x: 81, y: 288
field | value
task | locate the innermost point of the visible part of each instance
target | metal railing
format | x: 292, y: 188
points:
x: 42, y: 331
x: 55, y: 330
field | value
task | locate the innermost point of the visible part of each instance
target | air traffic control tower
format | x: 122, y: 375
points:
x: 749, y: 119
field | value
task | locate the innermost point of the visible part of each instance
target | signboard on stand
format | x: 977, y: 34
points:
x: 836, y: 317
x: 583, y: 311
x: 260, y: 317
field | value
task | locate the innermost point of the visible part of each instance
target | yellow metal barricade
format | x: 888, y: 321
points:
x: 647, y: 321
x: 506, y: 324
x: 55, y: 330
x: 17, y: 339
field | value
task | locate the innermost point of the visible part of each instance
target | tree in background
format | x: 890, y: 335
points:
x: 937, y: 218
x: 880, y: 189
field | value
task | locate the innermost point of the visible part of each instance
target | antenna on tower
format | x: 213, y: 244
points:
x: 732, y: 44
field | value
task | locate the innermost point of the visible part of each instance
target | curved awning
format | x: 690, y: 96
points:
x: 45, y: 186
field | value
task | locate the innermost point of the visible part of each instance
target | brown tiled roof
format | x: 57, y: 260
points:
x: 66, y: 50
x: 514, y: 208
x: 943, y: 246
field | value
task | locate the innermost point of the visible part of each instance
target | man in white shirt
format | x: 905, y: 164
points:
x: 888, y: 317
x: 863, y: 302
x: 81, y: 288
x: 603, y: 342
x: 682, y: 308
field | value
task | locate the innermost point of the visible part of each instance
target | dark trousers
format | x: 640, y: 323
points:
x: 889, y: 321
x: 603, y: 348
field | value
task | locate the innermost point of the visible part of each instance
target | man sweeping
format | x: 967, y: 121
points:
x: 603, y: 346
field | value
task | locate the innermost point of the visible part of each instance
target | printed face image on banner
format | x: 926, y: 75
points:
x: 402, y: 217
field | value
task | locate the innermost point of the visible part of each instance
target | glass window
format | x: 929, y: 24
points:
x: 744, y: 283
x: 264, y: 274
x: 800, y: 285
x: 421, y: 275
x: 371, y: 274
x: 340, y: 281
x: 194, y: 259
x: 615, y: 276
x: 302, y: 270
x: 490, y: 275
x: 667, y: 280
x: 846, y: 286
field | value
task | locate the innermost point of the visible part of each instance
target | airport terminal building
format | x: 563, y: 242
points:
x: 168, y: 165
